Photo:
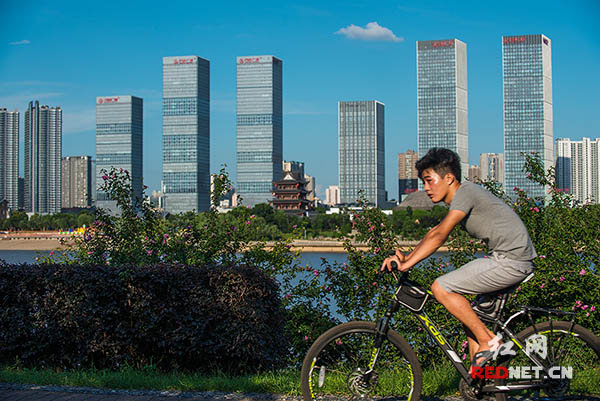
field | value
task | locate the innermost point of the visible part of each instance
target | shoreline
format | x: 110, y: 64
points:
x: 52, y: 243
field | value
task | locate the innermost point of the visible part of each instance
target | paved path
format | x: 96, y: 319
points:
x: 19, y: 392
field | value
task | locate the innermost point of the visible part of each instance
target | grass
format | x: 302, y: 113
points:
x: 440, y: 381
x: 282, y: 382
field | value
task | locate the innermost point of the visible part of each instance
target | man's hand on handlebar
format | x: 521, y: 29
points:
x: 394, y: 262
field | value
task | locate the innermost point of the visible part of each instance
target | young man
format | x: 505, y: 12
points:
x: 485, y: 217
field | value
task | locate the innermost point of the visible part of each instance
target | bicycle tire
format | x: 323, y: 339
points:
x: 338, y: 363
x: 578, y: 349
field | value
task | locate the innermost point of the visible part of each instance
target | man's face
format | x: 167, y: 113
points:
x: 435, y: 186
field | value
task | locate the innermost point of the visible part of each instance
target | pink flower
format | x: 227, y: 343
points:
x: 542, y: 256
x: 149, y: 252
x: 374, y: 283
x: 316, y: 273
x: 562, y: 278
x: 247, y: 222
x: 371, y: 228
x: 105, y: 177
x: 582, y: 272
x: 294, y: 226
x: 535, y: 209
x: 584, y: 307
x: 587, y: 314
x: 338, y: 342
x: 288, y: 296
x: 166, y: 236
x: 305, y: 338
x: 542, y: 286
x: 593, y: 308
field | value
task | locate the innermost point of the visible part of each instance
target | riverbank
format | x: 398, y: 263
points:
x: 52, y: 242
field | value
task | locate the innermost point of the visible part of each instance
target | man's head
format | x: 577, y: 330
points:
x: 439, y: 170
x: 442, y: 161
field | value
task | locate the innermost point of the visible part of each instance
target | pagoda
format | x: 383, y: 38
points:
x: 289, y: 195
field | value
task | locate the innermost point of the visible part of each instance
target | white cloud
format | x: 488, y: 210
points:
x: 372, y: 32
x: 20, y: 101
x: 76, y: 121
x: 20, y: 42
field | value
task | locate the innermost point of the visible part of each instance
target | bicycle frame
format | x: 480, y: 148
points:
x: 430, y: 327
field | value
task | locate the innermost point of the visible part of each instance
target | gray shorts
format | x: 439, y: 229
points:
x: 484, y: 275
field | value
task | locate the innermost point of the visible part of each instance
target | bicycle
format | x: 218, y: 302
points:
x: 361, y: 359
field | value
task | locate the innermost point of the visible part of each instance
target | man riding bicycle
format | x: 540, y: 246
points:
x: 485, y: 217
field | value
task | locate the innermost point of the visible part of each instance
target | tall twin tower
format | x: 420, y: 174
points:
x: 186, y: 130
x: 527, y: 90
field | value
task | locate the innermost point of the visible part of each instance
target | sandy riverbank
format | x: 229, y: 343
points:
x: 52, y: 244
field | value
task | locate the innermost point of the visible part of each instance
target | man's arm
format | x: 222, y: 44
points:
x: 429, y: 244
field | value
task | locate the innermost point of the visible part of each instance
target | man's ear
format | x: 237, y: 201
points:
x: 449, y: 178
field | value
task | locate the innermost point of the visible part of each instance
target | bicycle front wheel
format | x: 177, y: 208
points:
x: 344, y: 363
x: 572, y: 351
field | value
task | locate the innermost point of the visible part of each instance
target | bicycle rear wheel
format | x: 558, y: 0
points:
x: 574, y: 351
x: 340, y: 364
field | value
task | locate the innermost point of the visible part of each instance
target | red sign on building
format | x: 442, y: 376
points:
x: 184, y: 61
x: 516, y: 39
x: 443, y: 43
x: 248, y: 60
x: 108, y: 100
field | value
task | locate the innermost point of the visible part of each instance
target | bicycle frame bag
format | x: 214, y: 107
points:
x: 412, y: 296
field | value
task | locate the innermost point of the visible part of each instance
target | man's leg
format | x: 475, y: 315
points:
x: 458, y: 306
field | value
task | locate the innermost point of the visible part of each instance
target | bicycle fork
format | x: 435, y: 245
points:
x: 382, y: 327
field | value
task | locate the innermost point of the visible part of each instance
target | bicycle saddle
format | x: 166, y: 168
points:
x: 489, y: 305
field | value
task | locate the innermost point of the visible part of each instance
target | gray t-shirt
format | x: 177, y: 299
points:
x: 490, y: 219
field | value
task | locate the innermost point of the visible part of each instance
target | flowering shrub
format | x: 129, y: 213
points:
x: 565, y: 235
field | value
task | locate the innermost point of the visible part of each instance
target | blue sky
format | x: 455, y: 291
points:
x: 67, y: 53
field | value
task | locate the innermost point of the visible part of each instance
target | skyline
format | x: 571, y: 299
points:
x: 325, y: 62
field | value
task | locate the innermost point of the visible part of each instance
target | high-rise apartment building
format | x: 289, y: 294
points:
x: 578, y: 168
x: 408, y: 177
x: 361, y: 151
x: 9, y: 158
x: 293, y: 167
x: 77, y: 182
x: 492, y: 167
x: 186, y: 134
x: 119, y: 143
x: 442, y: 111
x: 332, y: 195
x: 43, y: 152
x: 259, y: 127
x: 474, y: 173
x: 527, y: 84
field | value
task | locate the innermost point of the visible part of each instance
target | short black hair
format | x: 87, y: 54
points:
x: 442, y: 161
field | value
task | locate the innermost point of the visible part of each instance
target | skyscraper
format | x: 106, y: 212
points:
x: 442, y: 98
x: 361, y: 151
x: 186, y: 134
x: 527, y: 82
x: 9, y: 156
x: 259, y: 127
x: 77, y: 182
x: 332, y: 195
x: 43, y: 151
x: 474, y: 173
x: 408, y: 176
x: 578, y: 168
x: 119, y: 143
x: 492, y: 167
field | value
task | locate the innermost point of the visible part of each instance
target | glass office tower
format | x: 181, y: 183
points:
x: 77, y: 182
x: 9, y: 158
x: 442, y: 111
x: 186, y: 134
x: 119, y: 143
x: 259, y: 127
x: 361, y: 151
x: 527, y: 79
x: 43, y: 152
